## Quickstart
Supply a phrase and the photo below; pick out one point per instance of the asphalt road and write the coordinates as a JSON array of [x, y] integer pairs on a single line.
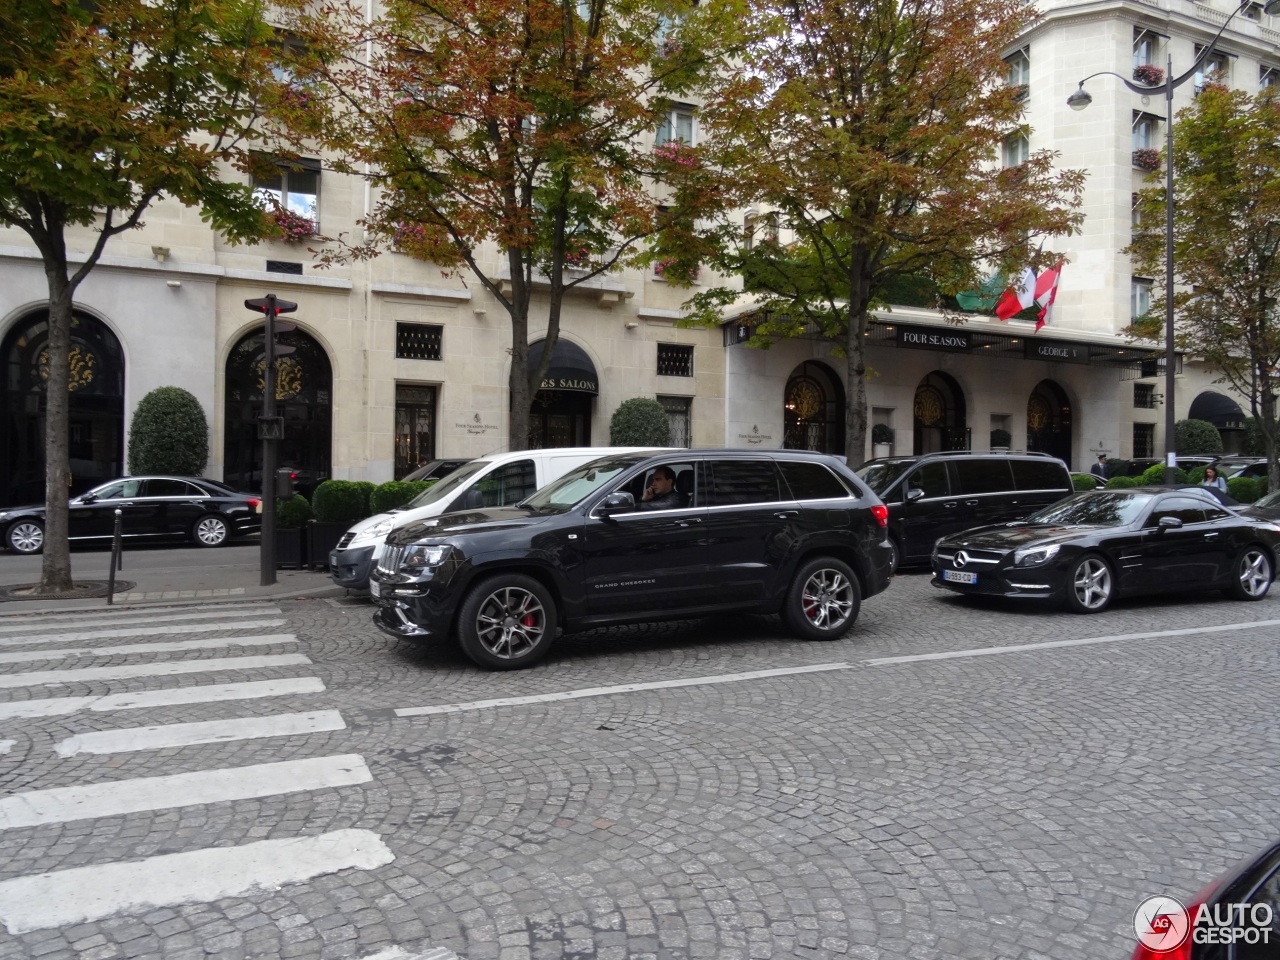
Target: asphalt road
[[950, 780]]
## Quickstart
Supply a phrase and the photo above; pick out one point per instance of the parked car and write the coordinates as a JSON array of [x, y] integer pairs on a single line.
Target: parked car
[[937, 494], [1240, 919], [151, 508], [493, 481], [1241, 466], [434, 470], [1100, 544], [1141, 465], [1264, 508], [754, 531]]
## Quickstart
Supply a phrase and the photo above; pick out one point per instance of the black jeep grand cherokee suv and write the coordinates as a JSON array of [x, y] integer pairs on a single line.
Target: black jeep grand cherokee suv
[[751, 531]]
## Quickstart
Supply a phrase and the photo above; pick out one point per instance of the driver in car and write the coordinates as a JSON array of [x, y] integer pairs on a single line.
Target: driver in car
[[661, 493]]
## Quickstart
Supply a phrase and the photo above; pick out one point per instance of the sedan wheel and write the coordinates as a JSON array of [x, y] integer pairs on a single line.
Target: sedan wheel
[[823, 601], [1090, 585], [210, 532], [1252, 574], [507, 622], [25, 536]]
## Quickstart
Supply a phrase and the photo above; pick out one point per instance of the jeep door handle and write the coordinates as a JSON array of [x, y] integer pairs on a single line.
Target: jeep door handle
[[787, 514]]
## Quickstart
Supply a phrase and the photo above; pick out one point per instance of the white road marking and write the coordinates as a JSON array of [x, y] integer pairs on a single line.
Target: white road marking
[[134, 616], [6, 745], [223, 730], [113, 798], [1080, 642], [124, 650], [45, 678], [140, 632], [174, 696], [399, 953], [610, 691], [104, 890]]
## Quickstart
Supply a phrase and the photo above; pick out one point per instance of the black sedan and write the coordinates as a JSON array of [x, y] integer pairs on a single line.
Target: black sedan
[[1087, 549], [151, 508]]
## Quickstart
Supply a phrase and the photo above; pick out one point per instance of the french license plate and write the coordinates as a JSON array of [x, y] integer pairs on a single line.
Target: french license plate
[[957, 576], [375, 588]]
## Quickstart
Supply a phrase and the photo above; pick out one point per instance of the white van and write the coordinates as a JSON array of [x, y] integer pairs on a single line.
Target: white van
[[493, 481]]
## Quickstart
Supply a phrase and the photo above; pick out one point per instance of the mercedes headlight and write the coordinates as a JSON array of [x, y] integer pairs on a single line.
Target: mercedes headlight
[[421, 556], [1034, 556]]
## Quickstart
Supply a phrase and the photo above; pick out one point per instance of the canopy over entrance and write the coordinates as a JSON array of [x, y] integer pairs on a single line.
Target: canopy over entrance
[[571, 369], [1219, 410]]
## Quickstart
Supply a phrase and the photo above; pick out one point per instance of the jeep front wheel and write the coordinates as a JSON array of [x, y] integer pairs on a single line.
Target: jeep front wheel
[[507, 622]]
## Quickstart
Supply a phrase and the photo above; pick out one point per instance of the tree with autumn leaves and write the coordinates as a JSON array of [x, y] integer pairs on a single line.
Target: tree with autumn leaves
[[104, 109], [1226, 246], [526, 129], [871, 132]]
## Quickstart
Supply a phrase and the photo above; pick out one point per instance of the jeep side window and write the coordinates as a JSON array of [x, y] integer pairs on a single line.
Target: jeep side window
[[931, 478], [744, 481]]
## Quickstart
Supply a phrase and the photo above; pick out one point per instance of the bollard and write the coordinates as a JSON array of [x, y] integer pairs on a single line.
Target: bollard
[[117, 560]]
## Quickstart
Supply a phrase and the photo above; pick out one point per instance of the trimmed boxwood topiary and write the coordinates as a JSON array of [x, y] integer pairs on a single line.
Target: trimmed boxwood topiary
[[366, 489], [340, 501], [640, 422], [1083, 481], [395, 493], [1245, 489], [293, 514], [169, 434], [1153, 476], [1001, 438], [1197, 436], [1122, 483], [881, 433]]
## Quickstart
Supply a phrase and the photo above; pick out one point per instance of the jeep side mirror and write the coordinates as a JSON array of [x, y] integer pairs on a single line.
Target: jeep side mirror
[[620, 502], [914, 493]]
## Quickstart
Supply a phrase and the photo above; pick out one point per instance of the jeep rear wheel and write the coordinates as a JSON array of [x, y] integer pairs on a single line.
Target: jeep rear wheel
[[507, 622], [823, 601]]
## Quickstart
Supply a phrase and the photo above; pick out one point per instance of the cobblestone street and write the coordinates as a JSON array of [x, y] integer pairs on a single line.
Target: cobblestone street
[[278, 779]]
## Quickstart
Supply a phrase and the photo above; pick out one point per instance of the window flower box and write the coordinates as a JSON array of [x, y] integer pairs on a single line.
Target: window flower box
[[1146, 158], [1148, 74], [295, 227], [676, 152]]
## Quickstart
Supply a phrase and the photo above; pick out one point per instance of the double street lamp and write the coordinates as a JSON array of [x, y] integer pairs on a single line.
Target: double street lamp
[[1081, 99]]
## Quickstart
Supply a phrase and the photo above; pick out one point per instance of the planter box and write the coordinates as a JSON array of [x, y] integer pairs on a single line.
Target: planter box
[[291, 549], [322, 537], [879, 450]]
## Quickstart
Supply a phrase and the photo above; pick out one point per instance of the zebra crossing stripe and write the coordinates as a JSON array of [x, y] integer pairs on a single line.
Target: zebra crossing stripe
[[141, 632], [222, 730], [104, 890], [45, 678], [178, 646], [116, 797], [174, 696], [65, 621]]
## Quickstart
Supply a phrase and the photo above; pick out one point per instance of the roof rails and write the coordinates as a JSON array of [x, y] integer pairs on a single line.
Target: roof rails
[[986, 453]]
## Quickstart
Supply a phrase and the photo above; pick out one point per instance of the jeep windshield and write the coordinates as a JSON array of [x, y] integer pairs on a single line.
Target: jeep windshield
[[879, 475], [450, 484], [576, 485]]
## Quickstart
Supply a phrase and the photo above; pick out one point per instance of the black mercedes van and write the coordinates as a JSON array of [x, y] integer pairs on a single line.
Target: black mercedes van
[[937, 494]]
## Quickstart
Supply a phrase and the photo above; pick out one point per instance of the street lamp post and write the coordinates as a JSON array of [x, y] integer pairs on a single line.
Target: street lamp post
[[1081, 99]]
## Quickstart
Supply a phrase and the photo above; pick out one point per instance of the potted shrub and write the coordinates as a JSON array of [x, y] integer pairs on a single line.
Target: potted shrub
[[881, 440], [337, 504], [1000, 439], [169, 434], [395, 493], [640, 422], [292, 517]]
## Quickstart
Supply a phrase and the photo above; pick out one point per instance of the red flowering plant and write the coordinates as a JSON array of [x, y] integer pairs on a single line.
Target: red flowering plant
[[577, 257], [676, 152], [1149, 74], [407, 235], [292, 225], [675, 270], [1146, 158]]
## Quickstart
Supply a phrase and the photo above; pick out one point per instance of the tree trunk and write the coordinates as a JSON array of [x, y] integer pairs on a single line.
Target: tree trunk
[[55, 571]]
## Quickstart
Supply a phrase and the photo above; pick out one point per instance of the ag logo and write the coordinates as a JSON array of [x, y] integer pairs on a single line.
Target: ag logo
[[1161, 924]]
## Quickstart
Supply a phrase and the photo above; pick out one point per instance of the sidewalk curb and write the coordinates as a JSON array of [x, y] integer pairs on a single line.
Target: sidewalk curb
[[137, 599]]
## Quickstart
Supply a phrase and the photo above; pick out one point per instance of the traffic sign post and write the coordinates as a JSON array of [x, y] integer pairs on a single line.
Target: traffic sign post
[[270, 426]]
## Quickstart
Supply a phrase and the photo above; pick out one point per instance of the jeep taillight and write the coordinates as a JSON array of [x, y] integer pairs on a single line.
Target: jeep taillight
[[881, 513]]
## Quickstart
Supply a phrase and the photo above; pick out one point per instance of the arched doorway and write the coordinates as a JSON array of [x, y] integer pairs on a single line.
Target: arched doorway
[[1225, 414], [813, 410], [561, 412], [1049, 421], [95, 434], [304, 398], [939, 415]]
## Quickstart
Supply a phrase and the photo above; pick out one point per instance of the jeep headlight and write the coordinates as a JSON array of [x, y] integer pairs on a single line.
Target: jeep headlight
[[420, 556], [1034, 556], [376, 532]]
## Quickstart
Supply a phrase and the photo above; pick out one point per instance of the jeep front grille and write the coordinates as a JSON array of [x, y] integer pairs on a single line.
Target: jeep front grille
[[390, 560]]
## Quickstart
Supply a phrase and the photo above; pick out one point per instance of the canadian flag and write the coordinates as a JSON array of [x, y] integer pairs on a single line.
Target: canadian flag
[[1018, 297], [1047, 292]]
